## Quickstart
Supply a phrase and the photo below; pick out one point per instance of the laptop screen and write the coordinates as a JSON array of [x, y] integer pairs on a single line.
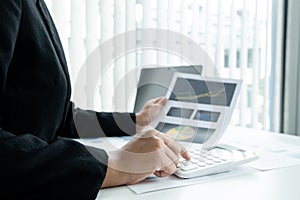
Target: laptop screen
[[154, 82]]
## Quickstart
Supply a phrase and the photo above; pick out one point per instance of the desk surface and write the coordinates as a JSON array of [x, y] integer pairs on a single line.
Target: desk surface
[[279, 184]]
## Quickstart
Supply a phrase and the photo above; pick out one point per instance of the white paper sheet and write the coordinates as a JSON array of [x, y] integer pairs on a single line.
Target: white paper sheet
[[155, 184], [272, 154], [269, 161]]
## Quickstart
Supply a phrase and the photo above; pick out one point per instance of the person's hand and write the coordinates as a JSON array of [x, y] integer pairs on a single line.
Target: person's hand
[[149, 152], [149, 112]]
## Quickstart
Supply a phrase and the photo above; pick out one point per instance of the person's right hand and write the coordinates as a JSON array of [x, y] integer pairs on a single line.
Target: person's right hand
[[149, 152]]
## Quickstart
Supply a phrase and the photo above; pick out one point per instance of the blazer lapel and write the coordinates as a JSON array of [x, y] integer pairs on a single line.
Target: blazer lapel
[[54, 35]]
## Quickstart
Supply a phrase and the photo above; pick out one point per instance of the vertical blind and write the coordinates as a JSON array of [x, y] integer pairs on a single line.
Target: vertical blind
[[236, 34], [291, 120]]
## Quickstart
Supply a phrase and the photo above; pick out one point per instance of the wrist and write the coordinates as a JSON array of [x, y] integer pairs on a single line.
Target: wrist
[[142, 120], [119, 172], [113, 176]]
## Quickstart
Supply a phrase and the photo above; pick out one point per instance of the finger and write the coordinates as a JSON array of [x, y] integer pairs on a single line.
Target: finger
[[162, 101], [166, 170], [177, 148], [172, 156], [161, 174], [185, 154], [156, 100], [169, 169], [171, 143]]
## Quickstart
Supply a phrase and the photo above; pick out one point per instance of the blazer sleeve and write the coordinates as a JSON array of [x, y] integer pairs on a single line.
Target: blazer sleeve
[[90, 124], [31, 168], [62, 169]]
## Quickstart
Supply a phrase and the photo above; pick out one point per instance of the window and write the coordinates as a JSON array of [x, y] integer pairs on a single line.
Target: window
[[236, 34]]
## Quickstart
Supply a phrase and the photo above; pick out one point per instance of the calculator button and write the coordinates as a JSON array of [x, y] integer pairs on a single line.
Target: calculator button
[[203, 151], [214, 155], [191, 150], [201, 164], [209, 162], [186, 163], [189, 167], [209, 157], [217, 160], [223, 159]]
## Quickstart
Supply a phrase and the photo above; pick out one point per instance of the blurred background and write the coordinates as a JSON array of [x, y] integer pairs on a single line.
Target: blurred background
[[256, 41]]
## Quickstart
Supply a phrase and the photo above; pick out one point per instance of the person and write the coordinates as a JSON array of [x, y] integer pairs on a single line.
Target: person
[[37, 120]]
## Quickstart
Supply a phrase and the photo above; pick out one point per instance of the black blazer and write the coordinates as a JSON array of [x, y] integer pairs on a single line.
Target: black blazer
[[37, 161]]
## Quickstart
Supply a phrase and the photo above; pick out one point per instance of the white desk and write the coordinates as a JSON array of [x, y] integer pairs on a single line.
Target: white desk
[[280, 184]]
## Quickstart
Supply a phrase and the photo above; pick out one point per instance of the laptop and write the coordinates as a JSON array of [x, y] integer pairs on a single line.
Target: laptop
[[154, 82]]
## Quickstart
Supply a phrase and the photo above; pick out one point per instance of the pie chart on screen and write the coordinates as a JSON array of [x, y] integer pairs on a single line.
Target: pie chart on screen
[[181, 133]]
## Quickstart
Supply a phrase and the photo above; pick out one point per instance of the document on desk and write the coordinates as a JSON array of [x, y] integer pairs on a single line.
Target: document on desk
[[272, 154], [269, 161], [155, 184]]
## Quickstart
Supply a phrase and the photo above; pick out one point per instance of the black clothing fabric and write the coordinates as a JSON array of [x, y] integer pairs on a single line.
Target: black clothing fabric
[[37, 160]]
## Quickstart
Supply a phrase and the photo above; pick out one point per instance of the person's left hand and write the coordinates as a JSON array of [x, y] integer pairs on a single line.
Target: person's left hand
[[149, 112]]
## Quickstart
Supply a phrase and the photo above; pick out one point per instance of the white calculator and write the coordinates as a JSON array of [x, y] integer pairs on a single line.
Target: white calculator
[[221, 158]]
